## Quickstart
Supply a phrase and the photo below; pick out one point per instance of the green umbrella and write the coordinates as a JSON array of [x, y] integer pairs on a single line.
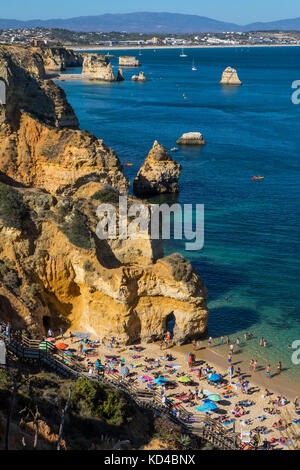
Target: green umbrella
[[184, 379], [214, 397]]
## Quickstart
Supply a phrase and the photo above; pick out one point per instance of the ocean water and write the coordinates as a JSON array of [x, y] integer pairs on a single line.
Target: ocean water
[[252, 228]]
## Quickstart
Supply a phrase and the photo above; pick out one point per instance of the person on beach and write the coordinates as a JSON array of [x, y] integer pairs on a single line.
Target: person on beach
[[254, 365], [71, 337], [209, 341], [245, 336], [279, 367], [238, 342], [261, 341], [228, 340], [229, 358], [268, 371], [238, 372], [296, 403], [194, 343], [251, 364], [222, 339], [265, 343], [231, 347]]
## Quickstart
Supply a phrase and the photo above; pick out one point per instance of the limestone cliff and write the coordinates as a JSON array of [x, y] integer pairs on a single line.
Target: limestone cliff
[[40, 142], [54, 270], [230, 77], [159, 174], [57, 59], [98, 67]]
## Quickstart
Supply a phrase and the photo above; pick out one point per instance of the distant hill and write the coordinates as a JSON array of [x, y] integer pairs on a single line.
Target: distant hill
[[146, 22]]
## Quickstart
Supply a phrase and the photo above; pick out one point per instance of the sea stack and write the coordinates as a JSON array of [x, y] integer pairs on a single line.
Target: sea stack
[[191, 138], [98, 67], [128, 61], [159, 174], [230, 77], [139, 78]]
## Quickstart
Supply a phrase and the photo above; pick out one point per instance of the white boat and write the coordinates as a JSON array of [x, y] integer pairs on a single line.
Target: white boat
[[174, 149], [182, 53], [194, 68]]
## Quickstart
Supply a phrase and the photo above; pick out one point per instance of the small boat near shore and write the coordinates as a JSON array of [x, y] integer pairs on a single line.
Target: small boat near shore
[[174, 149], [258, 178], [182, 53]]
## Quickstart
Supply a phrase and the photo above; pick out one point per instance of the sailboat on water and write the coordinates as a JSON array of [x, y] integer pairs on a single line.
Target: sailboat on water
[[194, 68], [182, 53]]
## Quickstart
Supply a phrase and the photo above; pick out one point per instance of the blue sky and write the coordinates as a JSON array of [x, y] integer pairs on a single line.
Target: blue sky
[[238, 11]]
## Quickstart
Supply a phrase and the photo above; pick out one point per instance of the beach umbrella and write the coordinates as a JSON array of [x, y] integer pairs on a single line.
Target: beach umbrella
[[214, 378], [184, 379], [160, 381], [61, 346], [214, 397], [207, 407]]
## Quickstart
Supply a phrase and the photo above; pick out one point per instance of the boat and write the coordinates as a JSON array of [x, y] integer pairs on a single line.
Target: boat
[[194, 68], [182, 53], [128, 164], [258, 177], [174, 149]]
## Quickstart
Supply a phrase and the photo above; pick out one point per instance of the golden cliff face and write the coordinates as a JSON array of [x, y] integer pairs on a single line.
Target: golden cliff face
[[54, 270]]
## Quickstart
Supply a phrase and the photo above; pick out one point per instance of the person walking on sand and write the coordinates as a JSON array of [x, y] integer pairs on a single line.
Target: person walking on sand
[[251, 364], [279, 367], [209, 341], [231, 348], [268, 371], [228, 340], [254, 365], [238, 342], [229, 358]]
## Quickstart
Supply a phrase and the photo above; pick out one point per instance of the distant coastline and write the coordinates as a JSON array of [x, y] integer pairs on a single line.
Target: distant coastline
[[125, 48]]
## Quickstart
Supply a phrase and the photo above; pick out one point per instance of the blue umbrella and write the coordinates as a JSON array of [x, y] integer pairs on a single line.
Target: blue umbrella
[[160, 380], [214, 378], [207, 406]]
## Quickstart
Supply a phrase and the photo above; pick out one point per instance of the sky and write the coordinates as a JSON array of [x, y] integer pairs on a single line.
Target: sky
[[236, 11]]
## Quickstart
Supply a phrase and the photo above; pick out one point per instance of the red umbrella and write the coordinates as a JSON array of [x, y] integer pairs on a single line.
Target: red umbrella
[[61, 346]]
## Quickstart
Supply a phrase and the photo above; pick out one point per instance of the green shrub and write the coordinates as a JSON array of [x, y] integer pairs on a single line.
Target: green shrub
[[76, 231], [13, 211], [105, 195], [100, 401]]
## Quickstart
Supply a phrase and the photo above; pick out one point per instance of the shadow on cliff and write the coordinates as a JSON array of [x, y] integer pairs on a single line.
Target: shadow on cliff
[[9, 313]]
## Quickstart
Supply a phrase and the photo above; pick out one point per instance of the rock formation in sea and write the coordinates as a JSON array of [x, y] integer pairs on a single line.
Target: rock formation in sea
[[159, 174], [98, 67], [128, 61], [57, 59], [230, 77], [54, 270], [139, 78], [191, 138]]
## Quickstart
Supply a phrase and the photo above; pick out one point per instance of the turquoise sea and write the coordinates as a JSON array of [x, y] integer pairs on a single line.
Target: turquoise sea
[[252, 228]]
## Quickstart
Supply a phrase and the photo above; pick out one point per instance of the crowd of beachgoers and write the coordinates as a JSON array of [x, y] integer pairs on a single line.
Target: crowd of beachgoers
[[186, 383]]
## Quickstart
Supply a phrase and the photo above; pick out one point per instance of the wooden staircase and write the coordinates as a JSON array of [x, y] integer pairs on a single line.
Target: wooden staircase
[[206, 428]]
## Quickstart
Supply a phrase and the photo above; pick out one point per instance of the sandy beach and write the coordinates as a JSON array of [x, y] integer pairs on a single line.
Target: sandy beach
[[216, 359], [117, 48]]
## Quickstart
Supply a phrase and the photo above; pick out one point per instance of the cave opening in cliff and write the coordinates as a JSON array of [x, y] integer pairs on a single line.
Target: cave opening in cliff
[[46, 323], [170, 323]]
